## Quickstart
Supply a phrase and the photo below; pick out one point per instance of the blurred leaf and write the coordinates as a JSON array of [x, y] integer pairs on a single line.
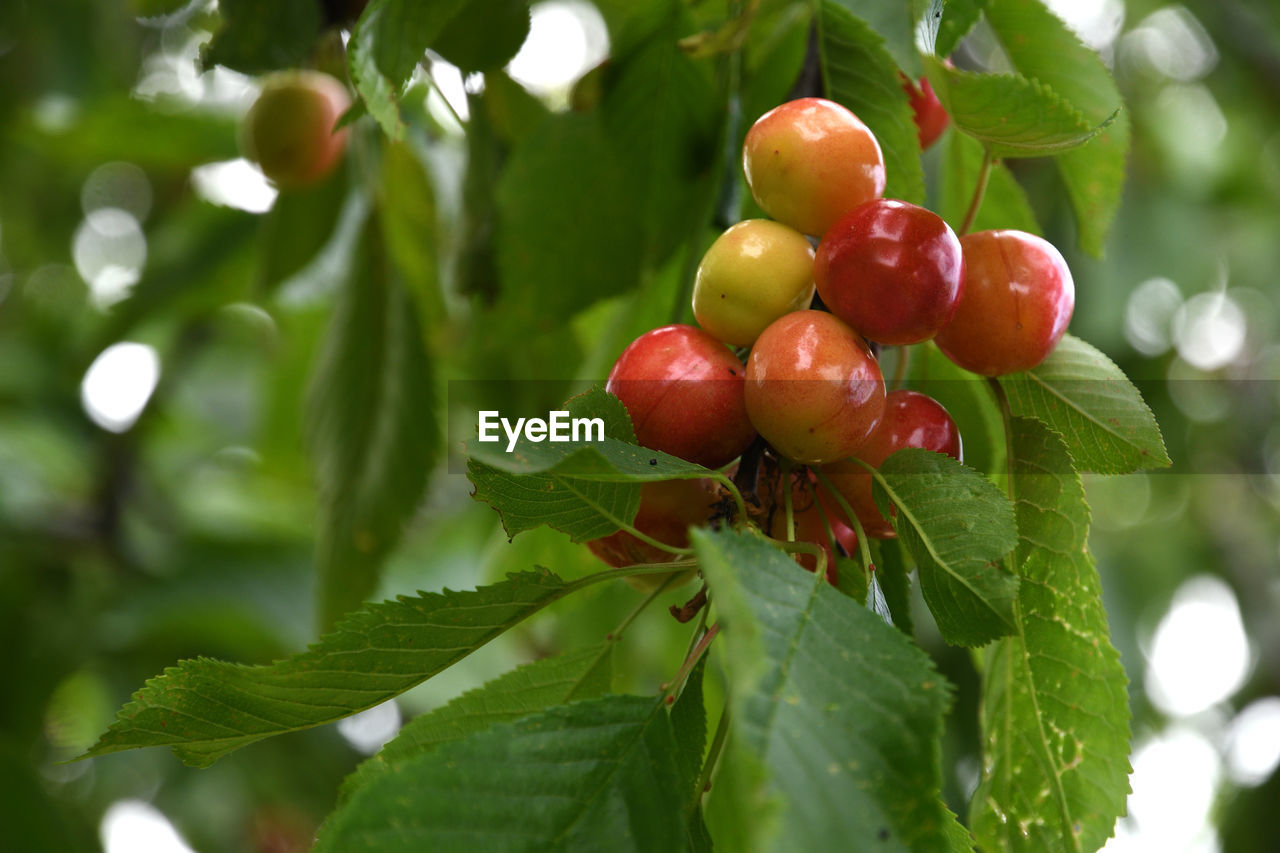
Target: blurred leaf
[[560, 198], [957, 526], [892, 20], [958, 17], [581, 674], [1087, 400], [843, 710], [1004, 205], [1043, 48], [591, 775], [1011, 115], [373, 427], [257, 37], [513, 111], [378, 93], [484, 34], [206, 708], [772, 58], [1055, 714], [400, 31], [407, 206], [33, 818], [858, 72], [294, 231]]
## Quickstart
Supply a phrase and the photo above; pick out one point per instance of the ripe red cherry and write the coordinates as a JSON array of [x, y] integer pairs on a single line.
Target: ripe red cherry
[[931, 119], [684, 392], [289, 130], [891, 270], [668, 509], [814, 390], [911, 419], [810, 525], [1017, 302], [810, 161]]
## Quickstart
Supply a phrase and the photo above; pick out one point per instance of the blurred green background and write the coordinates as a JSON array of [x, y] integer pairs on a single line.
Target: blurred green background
[[161, 308]]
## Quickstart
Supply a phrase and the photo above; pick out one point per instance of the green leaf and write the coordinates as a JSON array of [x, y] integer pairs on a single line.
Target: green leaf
[[859, 72], [844, 712], [567, 158], [958, 17], [1082, 395], [957, 526], [298, 226], [373, 427], [257, 37], [772, 58], [484, 34], [689, 725], [407, 206], [1042, 47], [400, 32], [1055, 714], [593, 775], [1004, 204], [1011, 115], [891, 19], [379, 94], [969, 403], [582, 674], [205, 708], [893, 576]]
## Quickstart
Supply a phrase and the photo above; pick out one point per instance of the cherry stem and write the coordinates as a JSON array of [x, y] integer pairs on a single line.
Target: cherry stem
[[736, 493], [713, 757], [789, 509], [426, 70], [628, 571], [616, 634], [819, 555], [979, 191], [864, 550], [690, 608], [649, 540], [691, 660], [900, 369]]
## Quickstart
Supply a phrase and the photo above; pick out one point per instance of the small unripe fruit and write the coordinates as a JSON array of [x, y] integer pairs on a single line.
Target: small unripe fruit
[[1017, 302], [668, 508], [753, 273], [814, 390], [684, 392], [810, 161], [289, 130], [893, 271], [911, 419]]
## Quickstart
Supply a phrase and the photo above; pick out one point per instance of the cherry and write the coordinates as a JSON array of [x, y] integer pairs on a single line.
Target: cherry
[[753, 273], [668, 508], [931, 119], [891, 270], [811, 524], [684, 392], [911, 419], [810, 161], [289, 130], [1017, 302], [813, 390]]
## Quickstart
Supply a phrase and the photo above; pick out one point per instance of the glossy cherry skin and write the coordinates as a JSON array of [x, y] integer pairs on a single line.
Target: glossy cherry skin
[[684, 391], [668, 508], [911, 419], [810, 525], [810, 161], [931, 119], [289, 130], [814, 390], [753, 273], [891, 270], [1017, 302]]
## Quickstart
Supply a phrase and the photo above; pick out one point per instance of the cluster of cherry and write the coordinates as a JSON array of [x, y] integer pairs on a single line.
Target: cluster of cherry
[[884, 271]]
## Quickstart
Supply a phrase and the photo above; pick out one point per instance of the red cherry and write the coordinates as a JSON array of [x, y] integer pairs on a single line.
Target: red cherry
[[684, 392], [668, 508], [289, 130], [911, 419], [814, 390], [811, 160], [891, 270], [931, 119], [1017, 302]]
